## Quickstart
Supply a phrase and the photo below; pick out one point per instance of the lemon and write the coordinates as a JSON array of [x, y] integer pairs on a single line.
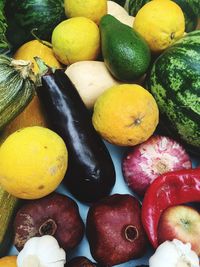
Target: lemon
[[161, 23], [92, 9], [125, 115], [35, 48], [33, 162], [76, 39], [8, 261]]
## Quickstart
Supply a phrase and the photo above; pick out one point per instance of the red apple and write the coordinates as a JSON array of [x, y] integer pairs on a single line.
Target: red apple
[[114, 230], [180, 222]]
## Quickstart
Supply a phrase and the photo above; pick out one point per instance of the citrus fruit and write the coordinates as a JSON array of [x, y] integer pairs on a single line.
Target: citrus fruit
[[33, 162], [161, 23], [92, 9], [8, 261], [125, 115], [76, 39], [35, 48]]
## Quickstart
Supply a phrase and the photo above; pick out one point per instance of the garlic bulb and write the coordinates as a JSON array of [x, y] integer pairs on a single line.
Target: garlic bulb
[[174, 254], [41, 251]]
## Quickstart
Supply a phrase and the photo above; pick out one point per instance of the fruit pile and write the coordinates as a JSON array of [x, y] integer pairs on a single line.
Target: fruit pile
[[100, 133]]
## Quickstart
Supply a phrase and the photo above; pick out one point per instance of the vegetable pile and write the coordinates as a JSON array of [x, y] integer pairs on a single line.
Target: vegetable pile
[[100, 130]]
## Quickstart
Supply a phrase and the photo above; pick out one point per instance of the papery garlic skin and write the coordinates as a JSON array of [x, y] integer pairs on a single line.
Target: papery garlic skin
[[174, 254], [41, 251]]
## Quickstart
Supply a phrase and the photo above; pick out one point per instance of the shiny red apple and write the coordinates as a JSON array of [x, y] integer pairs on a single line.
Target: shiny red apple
[[180, 222]]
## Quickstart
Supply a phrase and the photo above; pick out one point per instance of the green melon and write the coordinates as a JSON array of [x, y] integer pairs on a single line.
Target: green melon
[[174, 81], [195, 4], [24, 16], [191, 18], [133, 6]]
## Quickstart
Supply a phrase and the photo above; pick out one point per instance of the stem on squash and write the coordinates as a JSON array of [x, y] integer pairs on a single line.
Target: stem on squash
[[39, 40], [25, 68]]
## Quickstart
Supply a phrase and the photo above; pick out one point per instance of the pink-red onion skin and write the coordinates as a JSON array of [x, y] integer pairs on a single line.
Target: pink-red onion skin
[[145, 162]]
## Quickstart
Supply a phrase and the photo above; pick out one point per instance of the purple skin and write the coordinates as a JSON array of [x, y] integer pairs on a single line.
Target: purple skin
[[114, 230], [145, 162], [55, 215]]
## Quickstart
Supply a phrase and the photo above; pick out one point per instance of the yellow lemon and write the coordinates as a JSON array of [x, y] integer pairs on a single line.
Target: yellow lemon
[[33, 162], [76, 39], [8, 261], [161, 23], [125, 115], [35, 48], [92, 9]]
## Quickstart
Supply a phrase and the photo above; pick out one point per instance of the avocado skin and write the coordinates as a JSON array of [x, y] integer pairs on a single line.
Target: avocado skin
[[125, 52]]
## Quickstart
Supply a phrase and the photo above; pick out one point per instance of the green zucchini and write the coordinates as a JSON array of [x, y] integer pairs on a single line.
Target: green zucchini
[[8, 206], [17, 88], [4, 46]]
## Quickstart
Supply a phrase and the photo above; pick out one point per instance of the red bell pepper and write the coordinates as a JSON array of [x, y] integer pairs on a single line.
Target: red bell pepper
[[170, 189]]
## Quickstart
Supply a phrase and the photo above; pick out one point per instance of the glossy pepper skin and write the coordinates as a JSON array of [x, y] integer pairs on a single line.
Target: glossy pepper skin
[[90, 174], [167, 190]]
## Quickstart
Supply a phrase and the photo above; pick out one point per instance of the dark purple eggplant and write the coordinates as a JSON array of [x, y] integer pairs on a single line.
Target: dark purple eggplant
[[90, 175]]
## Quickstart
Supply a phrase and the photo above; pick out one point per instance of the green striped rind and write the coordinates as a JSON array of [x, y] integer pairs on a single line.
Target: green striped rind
[[4, 46], [195, 4], [133, 6], [16, 91], [24, 16], [120, 2], [8, 207], [191, 18], [174, 81]]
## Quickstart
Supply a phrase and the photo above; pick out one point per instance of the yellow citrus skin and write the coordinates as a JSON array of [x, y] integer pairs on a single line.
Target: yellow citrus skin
[[34, 48], [8, 261], [161, 23], [33, 162], [91, 9], [76, 39], [125, 115]]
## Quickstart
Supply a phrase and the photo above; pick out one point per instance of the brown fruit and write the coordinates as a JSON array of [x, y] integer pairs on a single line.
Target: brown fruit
[[114, 230], [55, 215]]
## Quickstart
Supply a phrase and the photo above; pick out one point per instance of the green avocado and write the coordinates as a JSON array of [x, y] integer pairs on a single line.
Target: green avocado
[[125, 52]]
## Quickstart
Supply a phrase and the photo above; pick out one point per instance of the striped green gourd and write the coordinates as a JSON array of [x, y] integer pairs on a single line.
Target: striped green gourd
[[8, 207], [4, 46], [174, 81], [17, 87]]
